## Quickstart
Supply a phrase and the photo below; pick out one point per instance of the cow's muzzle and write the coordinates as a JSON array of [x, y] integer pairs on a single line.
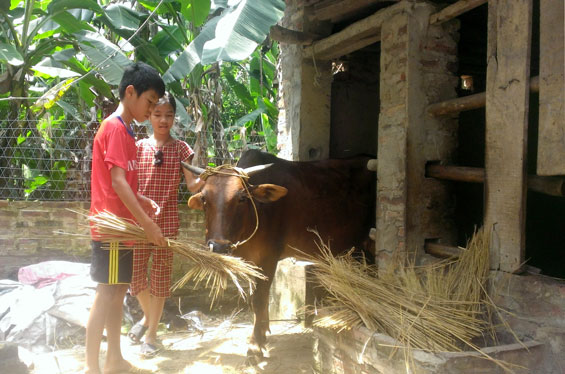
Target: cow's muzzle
[[221, 247]]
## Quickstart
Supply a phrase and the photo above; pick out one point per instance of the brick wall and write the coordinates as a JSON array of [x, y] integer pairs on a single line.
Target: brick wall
[[26, 233]]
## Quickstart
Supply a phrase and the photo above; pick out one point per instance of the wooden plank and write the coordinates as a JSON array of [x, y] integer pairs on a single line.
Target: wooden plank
[[551, 139], [455, 10], [284, 35], [508, 73], [339, 10], [356, 36]]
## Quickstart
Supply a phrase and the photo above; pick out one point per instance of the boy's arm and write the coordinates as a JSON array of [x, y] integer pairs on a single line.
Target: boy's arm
[[129, 198], [193, 183]]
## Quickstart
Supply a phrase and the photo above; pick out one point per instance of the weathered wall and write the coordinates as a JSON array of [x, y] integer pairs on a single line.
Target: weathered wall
[[418, 62], [304, 117], [26, 233]]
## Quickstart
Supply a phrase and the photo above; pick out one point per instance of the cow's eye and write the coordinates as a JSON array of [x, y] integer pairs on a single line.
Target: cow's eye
[[243, 196]]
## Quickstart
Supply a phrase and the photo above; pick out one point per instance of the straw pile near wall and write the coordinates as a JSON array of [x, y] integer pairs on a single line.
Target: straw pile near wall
[[439, 307]]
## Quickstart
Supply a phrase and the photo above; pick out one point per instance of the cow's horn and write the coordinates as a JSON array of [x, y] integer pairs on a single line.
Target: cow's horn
[[254, 169], [193, 169]]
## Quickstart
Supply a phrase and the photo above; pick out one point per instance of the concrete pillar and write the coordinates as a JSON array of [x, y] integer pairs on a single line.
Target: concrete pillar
[[417, 65], [304, 118]]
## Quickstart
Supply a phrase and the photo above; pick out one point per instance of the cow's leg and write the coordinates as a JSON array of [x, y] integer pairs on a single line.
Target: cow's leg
[[260, 305]]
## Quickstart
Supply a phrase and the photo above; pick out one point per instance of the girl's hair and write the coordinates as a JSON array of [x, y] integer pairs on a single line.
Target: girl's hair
[[168, 98]]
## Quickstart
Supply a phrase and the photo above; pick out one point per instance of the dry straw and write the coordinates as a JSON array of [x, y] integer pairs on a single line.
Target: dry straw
[[211, 269], [435, 308]]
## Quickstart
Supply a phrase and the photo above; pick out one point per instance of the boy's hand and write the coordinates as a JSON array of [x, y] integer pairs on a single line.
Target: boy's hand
[[149, 206], [154, 234]]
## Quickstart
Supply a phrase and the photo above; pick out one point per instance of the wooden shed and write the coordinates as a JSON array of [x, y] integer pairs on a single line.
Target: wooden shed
[[462, 105]]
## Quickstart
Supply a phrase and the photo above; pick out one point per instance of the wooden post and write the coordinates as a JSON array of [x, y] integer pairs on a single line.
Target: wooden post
[[508, 77], [551, 140]]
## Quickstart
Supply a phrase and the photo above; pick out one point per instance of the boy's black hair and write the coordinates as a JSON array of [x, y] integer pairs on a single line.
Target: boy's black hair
[[168, 98], [143, 78]]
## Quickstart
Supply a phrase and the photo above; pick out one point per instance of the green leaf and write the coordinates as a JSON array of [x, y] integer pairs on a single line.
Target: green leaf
[[108, 60], [122, 18], [53, 72], [61, 5], [10, 54], [55, 93], [241, 29], [70, 24], [168, 40], [250, 117], [240, 91], [232, 36], [150, 54], [69, 109], [195, 11], [190, 57]]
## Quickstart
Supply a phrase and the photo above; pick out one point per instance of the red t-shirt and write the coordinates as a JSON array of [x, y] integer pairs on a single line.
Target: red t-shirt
[[114, 146], [161, 182]]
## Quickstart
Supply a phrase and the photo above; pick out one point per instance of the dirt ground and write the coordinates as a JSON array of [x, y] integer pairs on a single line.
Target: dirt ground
[[217, 345]]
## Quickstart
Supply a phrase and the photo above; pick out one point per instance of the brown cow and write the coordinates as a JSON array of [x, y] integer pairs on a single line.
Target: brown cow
[[334, 197]]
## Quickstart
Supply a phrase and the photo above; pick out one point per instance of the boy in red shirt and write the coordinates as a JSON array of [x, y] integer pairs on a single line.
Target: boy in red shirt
[[114, 188]]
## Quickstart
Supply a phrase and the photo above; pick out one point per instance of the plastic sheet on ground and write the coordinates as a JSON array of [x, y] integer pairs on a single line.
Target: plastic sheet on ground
[[48, 307]]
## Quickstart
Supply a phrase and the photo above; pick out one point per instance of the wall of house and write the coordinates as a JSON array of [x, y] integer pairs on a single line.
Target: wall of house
[[27, 233], [305, 84]]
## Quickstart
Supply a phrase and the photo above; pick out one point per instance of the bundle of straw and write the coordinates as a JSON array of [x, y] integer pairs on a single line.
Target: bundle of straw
[[212, 269], [438, 307]]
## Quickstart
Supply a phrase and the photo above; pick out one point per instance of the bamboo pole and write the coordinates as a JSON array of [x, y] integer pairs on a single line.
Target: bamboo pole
[[455, 10], [470, 102], [554, 186], [442, 250]]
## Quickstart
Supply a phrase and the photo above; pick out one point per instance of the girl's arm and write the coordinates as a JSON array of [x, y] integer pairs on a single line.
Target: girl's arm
[[129, 198]]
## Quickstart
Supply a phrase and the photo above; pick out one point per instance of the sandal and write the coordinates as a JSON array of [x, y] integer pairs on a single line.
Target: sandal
[[149, 350], [136, 332]]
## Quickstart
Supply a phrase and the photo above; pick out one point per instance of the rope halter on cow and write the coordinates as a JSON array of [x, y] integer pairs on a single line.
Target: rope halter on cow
[[230, 170]]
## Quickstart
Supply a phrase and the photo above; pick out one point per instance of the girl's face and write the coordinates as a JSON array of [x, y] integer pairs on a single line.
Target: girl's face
[[162, 119]]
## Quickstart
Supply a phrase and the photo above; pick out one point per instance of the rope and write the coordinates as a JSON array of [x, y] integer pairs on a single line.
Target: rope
[[230, 170], [317, 74]]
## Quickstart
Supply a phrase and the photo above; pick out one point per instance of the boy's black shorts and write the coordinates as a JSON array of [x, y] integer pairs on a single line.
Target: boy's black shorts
[[111, 264]]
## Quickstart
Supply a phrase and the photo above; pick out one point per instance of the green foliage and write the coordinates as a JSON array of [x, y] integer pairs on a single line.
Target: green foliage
[[60, 58]]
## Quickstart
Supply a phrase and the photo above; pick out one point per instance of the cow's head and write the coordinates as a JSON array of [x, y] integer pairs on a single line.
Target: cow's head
[[229, 203]]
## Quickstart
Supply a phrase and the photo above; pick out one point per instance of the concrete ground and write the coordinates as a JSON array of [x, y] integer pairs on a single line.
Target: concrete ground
[[219, 347]]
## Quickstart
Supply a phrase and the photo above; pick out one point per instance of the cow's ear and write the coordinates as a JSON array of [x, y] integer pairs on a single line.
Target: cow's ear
[[195, 202], [267, 193]]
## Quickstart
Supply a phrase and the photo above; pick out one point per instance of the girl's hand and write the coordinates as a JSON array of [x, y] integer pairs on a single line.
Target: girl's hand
[[149, 206]]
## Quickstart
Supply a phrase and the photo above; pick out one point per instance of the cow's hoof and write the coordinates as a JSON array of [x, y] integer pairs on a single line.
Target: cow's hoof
[[254, 354]]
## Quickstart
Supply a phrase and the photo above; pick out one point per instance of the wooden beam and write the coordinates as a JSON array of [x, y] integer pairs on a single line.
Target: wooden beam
[[456, 173], [367, 31], [457, 105], [469, 102], [507, 94], [288, 36], [339, 10], [551, 133], [354, 37], [554, 186], [442, 250], [455, 10]]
